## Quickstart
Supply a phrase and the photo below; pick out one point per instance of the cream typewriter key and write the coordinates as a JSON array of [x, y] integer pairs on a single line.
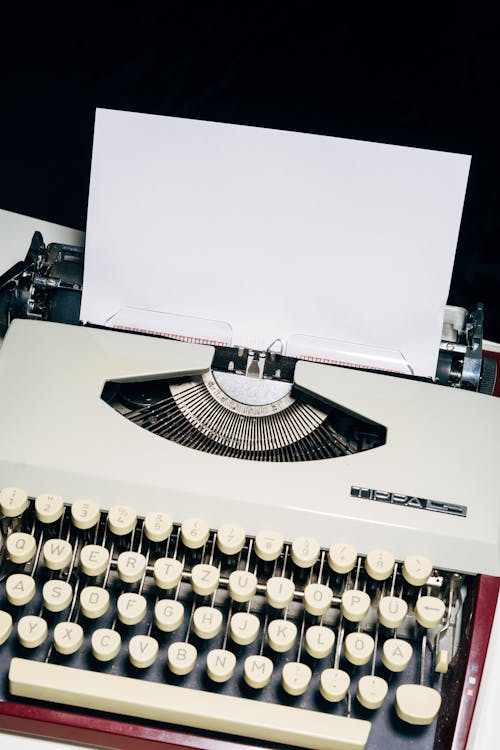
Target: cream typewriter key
[[68, 637], [57, 553], [5, 626], [220, 665], [334, 684], [94, 602], [122, 519], [279, 592], [13, 501], [32, 631], [230, 539], [195, 532], [429, 611], [242, 585], [281, 635], [94, 559], [20, 589], [85, 514], [142, 651], [379, 564], [442, 661], [417, 704], [342, 558], [167, 572], [296, 678], [319, 641], [49, 508], [257, 671], [204, 579], [131, 608], [169, 615], [21, 547], [305, 551], [57, 595], [396, 654], [157, 526], [207, 622], [131, 566], [417, 569], [268, 545], [354, 605], [106, 644], [181, 657], [358, 648], [244, 628], [372, 691], [317, 598], [392, 611]]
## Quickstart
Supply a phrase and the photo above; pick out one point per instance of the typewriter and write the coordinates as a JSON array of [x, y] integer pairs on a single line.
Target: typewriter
[[212, 546], [196, 557]]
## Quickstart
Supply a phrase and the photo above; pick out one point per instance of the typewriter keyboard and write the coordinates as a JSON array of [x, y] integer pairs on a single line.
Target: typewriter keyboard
[[256, 637]]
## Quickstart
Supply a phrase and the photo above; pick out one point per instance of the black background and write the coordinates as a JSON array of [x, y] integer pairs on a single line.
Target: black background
[[425, 77]]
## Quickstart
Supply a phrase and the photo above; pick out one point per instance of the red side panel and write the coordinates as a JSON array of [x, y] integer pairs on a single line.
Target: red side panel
[[484, 614]]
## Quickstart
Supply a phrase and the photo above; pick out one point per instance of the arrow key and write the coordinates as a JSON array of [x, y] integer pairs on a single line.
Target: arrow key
[[429, 611]]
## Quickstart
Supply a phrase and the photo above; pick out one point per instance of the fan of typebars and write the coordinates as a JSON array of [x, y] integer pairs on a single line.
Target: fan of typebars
[[199, 414]]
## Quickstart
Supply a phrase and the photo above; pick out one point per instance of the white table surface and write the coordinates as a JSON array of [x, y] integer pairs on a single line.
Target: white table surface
[[15, 237]]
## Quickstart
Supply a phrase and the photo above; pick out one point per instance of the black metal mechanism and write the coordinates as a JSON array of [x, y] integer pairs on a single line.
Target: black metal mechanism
[[461, 363], [46, 285]]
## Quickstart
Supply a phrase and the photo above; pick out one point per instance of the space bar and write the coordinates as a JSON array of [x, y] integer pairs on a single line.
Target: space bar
[[185, 706]]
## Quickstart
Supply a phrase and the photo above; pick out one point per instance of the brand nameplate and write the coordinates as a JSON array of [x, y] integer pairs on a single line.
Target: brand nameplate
[[408, 501]]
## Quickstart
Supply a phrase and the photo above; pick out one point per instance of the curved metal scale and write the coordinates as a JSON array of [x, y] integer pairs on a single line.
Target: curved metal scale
[[198, 414]]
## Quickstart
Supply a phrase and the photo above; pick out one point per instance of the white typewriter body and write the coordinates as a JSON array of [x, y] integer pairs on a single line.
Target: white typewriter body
[[58, 435]]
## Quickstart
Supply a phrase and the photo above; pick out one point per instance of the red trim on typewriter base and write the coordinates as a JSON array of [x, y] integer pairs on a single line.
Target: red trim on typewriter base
[[482, 623], [108, 733]]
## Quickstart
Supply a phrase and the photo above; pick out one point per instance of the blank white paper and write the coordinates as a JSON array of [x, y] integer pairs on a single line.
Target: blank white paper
[[276, 234]]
